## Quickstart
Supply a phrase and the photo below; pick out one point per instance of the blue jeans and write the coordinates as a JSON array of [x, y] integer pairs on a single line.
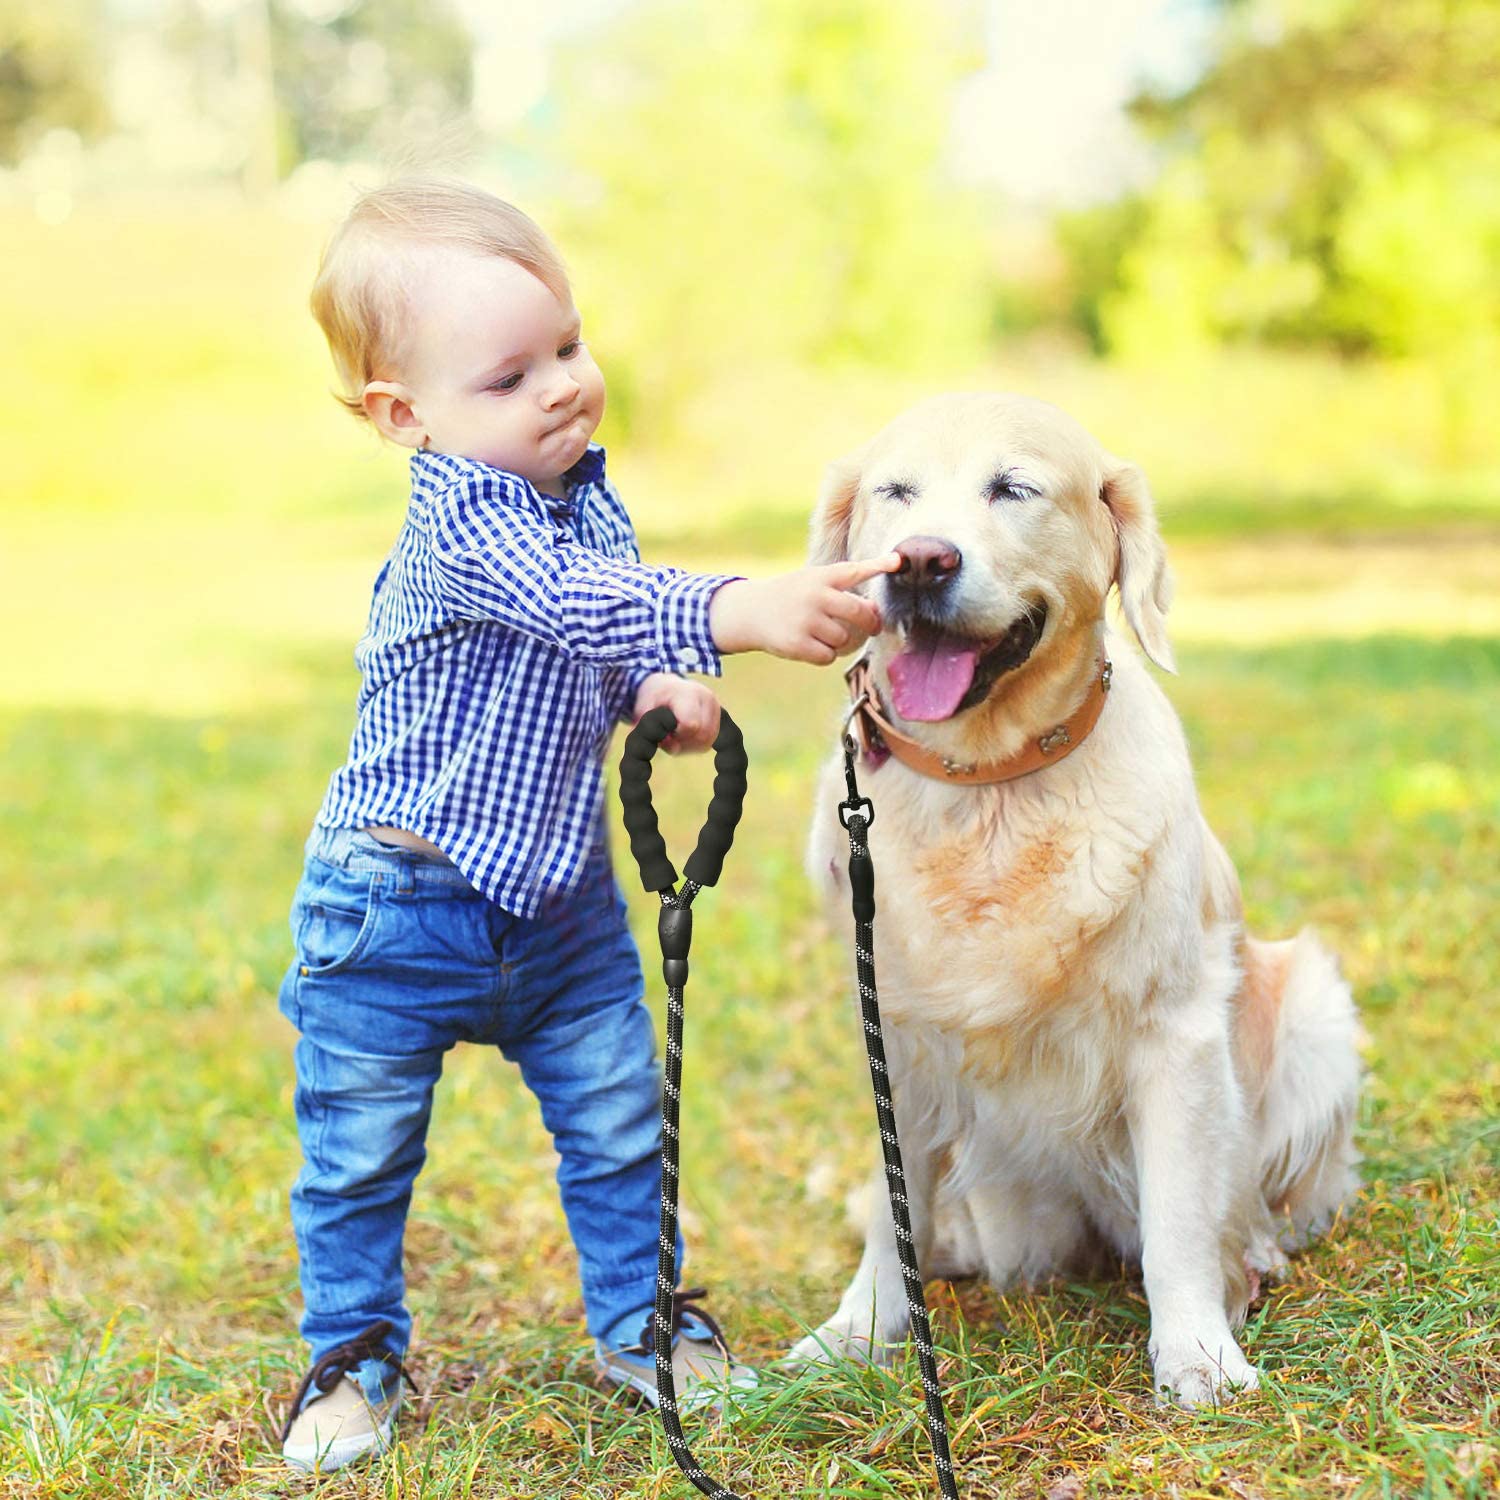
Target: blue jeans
[[398, 958]]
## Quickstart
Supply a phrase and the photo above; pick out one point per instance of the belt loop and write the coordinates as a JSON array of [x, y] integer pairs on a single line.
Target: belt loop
[[406, 875]]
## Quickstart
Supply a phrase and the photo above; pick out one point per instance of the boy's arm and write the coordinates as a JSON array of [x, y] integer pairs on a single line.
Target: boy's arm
[[494, 560]]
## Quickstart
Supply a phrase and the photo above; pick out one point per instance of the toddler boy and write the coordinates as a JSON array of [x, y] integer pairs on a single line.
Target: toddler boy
[[458, 884]]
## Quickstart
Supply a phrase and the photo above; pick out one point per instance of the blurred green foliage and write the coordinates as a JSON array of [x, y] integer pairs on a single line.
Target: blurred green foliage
[[352, 82], [1331, 179], [757, 191], [332, 80], [51, 66], [759, 181]]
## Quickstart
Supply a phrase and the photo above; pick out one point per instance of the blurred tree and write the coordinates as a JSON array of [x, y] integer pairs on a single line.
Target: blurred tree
[[1092, 241], [760, 181], [51, 71], [332, 79], [358, 77], [1332, 178]]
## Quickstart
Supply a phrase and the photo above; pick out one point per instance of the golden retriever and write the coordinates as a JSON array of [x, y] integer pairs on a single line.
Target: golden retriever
[[1089, 1053]]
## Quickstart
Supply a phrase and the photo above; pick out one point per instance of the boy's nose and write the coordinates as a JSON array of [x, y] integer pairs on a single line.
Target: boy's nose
[[561, 390]]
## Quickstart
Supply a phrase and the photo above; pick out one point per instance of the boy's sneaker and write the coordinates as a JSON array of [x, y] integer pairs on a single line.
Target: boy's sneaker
[[334, 1418], [704, 1371]]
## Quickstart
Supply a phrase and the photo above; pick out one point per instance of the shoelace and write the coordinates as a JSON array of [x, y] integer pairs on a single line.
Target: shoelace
[[684, 1303], [333, 1366]]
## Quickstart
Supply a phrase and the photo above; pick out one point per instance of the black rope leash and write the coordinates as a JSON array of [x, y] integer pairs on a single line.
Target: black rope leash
[[675, 931], [674, 928], [857, 814]]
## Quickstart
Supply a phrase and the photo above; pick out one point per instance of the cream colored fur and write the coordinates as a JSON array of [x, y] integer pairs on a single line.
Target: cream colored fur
[[1091, 1059]]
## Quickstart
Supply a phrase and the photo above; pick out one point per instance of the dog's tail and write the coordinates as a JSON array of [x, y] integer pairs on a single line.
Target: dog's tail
[[1311, 1095]]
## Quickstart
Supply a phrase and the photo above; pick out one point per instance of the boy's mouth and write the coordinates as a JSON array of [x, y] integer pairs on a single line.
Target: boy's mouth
[[564, 424]]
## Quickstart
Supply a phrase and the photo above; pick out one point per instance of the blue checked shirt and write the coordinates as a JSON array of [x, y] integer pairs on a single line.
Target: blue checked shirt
[[509, 632]]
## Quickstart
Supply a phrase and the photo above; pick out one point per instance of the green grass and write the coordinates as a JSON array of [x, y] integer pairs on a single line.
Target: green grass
[[147, 1331]]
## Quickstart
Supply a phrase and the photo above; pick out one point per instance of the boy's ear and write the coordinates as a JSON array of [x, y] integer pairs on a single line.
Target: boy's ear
[[1141, 571], [829, 538], [387, 403]]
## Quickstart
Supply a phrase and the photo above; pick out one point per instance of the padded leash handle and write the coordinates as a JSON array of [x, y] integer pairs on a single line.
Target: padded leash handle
[[724, 809]]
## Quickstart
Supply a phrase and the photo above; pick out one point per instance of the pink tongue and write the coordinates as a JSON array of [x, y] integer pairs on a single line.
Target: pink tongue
[[931, 676]]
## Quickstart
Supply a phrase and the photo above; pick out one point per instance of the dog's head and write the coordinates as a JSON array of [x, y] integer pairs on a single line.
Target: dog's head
[[1013, 523]]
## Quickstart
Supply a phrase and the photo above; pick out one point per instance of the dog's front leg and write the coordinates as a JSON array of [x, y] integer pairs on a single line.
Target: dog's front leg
[[872, 1316], [1185, 1117]]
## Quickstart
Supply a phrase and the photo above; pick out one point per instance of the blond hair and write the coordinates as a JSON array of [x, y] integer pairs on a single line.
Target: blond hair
[[359, 296]]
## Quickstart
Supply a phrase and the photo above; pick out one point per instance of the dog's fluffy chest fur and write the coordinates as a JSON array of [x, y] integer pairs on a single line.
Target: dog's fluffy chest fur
[[1048, 887]]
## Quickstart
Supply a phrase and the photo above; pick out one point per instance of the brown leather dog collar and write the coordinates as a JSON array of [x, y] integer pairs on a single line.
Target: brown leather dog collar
[[880, 738]]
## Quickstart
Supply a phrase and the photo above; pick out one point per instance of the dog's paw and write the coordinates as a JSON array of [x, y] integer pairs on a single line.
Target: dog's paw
[[1191, 1374], [1265, 1259], [830, 1344]]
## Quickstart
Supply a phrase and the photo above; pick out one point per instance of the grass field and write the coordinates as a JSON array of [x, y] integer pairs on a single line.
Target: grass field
[[177, 690]]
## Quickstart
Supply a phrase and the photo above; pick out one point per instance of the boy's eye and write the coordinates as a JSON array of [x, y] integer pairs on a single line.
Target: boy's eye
[[508, 384], [569, 349]]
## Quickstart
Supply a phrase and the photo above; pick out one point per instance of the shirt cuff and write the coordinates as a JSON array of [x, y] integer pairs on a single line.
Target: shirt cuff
[[682, 634], [634, 677]]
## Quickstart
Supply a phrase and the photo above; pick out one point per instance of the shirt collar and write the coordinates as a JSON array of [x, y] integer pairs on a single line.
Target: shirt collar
[[588, 470]]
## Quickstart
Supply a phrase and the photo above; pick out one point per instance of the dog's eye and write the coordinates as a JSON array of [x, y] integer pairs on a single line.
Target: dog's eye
[[897, 489], [1006, 486]]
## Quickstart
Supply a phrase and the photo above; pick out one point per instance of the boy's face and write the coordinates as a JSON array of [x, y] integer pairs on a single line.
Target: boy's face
[[493, 368]]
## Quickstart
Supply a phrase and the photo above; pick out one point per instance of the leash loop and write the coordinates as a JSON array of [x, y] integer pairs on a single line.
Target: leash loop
[[728, 802]]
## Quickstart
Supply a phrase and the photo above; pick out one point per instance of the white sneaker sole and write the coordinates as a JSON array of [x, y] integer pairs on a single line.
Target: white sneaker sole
[[616, 1376], [337, 1452]]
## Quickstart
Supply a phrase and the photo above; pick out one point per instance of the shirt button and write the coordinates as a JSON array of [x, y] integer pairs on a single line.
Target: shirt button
[[688, 656]]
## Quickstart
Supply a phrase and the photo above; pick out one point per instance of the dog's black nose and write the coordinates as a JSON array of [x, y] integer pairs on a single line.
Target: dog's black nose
[[926, 562]]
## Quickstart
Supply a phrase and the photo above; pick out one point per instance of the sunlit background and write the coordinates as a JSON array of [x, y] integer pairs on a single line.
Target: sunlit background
[[1253, 245]]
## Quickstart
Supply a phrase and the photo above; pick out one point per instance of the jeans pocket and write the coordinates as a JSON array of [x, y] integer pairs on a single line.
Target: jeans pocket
[[335, 926]]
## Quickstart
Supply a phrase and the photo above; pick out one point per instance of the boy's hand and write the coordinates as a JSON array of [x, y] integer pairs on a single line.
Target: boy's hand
[[809, 615], [696, 708]]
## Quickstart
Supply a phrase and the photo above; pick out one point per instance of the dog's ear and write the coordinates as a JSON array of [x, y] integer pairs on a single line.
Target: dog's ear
[[828, 541], [1141, 571]]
